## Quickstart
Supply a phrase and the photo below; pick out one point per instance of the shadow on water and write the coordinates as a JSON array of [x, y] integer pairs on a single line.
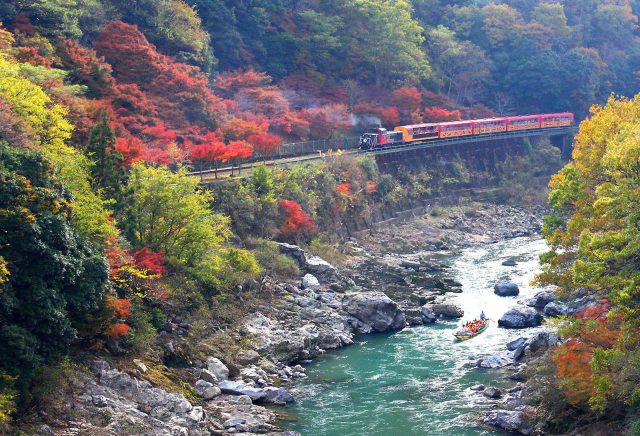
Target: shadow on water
[[417, 381]]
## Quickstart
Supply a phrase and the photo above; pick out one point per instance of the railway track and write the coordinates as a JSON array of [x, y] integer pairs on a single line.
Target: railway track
[[244, 169]]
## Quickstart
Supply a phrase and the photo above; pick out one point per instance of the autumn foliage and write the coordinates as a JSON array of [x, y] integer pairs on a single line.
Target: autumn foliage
[[297, 223]]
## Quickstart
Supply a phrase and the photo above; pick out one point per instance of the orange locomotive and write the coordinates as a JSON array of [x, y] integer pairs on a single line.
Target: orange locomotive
[[380, 137]]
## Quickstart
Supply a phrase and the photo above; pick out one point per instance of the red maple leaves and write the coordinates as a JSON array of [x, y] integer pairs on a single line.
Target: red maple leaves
[[297, 223]]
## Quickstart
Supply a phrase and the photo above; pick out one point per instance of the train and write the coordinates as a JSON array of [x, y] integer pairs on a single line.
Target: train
[[401, 135]]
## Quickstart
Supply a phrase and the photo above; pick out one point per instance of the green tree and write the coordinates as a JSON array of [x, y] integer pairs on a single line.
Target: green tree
[[55, 276], [390, 41], [50, 130], [167, 211], [108, 172], [52, 17]]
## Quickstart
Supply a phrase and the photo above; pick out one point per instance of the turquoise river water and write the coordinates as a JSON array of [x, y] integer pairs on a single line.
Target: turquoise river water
[[416, 381]]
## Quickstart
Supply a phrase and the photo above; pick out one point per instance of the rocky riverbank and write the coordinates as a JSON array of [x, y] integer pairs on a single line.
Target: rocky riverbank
[[389, 282]]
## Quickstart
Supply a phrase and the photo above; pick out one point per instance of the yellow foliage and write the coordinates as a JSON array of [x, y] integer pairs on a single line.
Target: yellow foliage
[[51, 131]]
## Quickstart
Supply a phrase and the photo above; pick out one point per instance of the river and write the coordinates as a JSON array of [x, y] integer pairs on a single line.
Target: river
[[417, 381]]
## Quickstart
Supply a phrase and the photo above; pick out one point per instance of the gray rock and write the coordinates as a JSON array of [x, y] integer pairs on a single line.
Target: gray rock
[[511, 346], [541, 299], [308, 262], [410, 264], [208, 376], [518, 353], [140, 365], [309, 281], [505, 419], [374, 309], [99, 401], [478, 388], [509, 262], [506, 289], [233, 422], [207, 390], [45, 430], [446, 310], [278, 396], [428, 317], [247, 357], [520, 318], [492, 393], [211, 392], [497, 361], [239, 388], [217, 368], [537, 342], [556, 308]]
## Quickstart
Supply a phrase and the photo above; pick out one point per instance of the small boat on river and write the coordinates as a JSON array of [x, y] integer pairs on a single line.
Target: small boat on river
[[472, 329]]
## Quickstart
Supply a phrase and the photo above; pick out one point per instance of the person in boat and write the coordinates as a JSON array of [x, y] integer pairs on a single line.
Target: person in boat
[[482, 316]]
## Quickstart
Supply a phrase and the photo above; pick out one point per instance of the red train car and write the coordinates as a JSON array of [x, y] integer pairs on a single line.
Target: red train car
[[490, 125], [556, 120], [525, 122], [456, 128]]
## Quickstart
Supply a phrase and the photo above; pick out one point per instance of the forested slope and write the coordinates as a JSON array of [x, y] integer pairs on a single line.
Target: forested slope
[[104, 106]]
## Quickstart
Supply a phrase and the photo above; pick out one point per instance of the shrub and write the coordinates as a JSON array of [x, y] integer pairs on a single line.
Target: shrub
[[271, 260]]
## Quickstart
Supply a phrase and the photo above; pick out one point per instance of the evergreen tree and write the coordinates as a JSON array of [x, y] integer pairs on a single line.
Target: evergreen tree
[[107, 169]]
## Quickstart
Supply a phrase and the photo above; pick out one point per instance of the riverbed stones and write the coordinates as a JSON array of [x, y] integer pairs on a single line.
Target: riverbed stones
[[309, 281], [555, 308], [541, 299], [516, 343], [520, 319], [499, 360], [509, 262], [308, 262], [208, 376], [217, 368], [493, 393], [374, 309], [239, 388], [445, 310], [512, 420], [506, 289], [277, 396]]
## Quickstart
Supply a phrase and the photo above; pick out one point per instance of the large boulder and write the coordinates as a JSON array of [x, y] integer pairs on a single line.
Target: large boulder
[[506, 419], [309, 281], [217, 368], [308, 262], [520, 319], [509, 262], [374, 309], [278, 396], [239, 388], [506, 289], [515, 344], [496, 361], [428, 317], [555, 308], [420, 315], [541, 299], [446, 310]]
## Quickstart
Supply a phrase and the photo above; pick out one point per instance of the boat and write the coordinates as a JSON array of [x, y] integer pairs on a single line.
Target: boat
[[464, 334]]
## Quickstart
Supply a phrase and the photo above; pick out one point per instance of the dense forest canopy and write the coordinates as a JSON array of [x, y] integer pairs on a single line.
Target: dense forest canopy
[[106, 104]]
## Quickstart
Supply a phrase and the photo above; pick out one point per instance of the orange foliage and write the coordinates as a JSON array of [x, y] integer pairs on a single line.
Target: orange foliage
[[297, 222], [371, 187], [116, 331], [265, 143], [573, 360], [149, 261], [436, 115]]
